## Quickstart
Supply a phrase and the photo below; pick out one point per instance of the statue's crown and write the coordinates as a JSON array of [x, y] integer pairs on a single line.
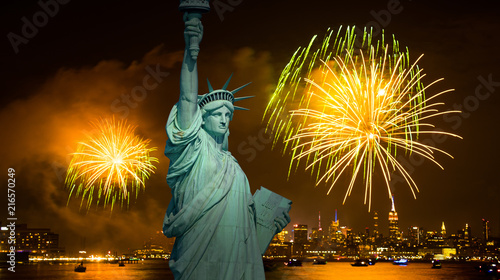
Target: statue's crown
[[222, 94]]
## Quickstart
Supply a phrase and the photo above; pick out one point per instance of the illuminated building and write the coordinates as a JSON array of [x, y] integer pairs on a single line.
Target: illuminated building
[[280, 237], [467, 233], [317, 234], [486, 231], [465, 242], [337, 234], [434, 240], [299, 239], [347, 234], [334, 227], [443, 230], [279, 248], [299, 234], [151, 251], [319, 220], [393, 223], [464, 237], [4, 235], [375, 224], [35, 241], [157, 246], [414, 236]]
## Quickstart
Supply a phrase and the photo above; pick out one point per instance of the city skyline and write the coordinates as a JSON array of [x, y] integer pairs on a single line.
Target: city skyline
[[56, 248], [386, 231], [87, 60]]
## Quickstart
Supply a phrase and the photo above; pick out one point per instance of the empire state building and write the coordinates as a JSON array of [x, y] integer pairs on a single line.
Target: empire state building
[[393, 223]]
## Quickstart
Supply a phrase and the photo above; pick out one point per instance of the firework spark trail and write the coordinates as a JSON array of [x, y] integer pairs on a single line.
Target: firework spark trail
[[114, 161], [341, 108]]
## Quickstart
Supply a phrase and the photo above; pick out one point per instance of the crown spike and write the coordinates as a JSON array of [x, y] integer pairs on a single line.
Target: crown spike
[[242, 98], [240, 88], [210, 88], [227, 82], [240, 108]]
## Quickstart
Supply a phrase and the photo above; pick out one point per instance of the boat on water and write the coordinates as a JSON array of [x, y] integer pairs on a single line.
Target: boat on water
[[400, 262], [80, 268], [294, 262], [436, 264], [492, 268], [319, 261], [270, 265], [121, 264], [360, 262]]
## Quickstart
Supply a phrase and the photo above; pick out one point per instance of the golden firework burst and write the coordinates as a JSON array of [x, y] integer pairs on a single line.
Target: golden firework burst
[[352, 104], [110, 164]]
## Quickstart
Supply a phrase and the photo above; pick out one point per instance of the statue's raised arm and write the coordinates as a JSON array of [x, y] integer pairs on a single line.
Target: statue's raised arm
[[188, 98]]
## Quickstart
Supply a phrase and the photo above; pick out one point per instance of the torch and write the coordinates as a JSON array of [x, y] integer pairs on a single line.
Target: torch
[[194, 9]]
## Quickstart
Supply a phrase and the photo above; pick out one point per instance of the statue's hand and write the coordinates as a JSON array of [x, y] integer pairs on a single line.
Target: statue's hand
[[193, 29], [282, 222]]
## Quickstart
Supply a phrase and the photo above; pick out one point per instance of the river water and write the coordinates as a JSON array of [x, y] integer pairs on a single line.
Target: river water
[[156, 270]]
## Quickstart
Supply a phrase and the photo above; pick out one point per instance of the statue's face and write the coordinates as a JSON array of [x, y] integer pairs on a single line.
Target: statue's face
[[216, 123]]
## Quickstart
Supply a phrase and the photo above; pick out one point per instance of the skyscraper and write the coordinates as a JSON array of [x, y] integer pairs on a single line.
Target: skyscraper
[[335, 231], [321, 234], [299, 234], [317, 234], [319, 220], [393, 222], [486, 230], [467, 234], [375, 224], [443, 230], [414, 236], [299, 239]]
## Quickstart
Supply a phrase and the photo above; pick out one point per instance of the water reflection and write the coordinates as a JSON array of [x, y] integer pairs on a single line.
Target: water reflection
[[380, 271], [156, 270]]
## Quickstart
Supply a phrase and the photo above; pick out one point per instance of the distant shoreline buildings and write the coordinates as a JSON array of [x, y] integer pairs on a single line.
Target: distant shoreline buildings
[[335, 241]]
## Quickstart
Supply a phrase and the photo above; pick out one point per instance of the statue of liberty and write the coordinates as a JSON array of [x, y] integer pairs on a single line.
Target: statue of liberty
[[212, 212]]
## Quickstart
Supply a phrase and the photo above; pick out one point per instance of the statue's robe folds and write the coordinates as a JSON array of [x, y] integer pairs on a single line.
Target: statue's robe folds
[[211, 213]]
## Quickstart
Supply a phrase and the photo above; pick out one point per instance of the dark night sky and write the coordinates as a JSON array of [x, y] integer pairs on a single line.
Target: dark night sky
[[89, 53]]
